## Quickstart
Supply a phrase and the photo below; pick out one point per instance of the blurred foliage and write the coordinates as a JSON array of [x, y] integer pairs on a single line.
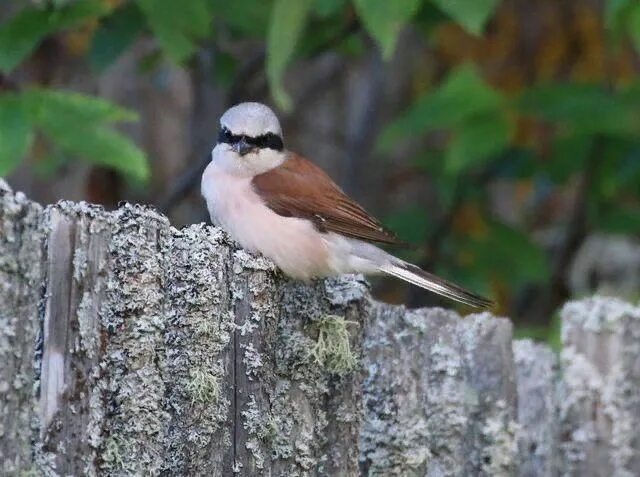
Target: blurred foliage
[[288, 18], [572, 116]]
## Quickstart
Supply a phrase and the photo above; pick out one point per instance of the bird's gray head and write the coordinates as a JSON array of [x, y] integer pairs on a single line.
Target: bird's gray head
[[250, 140], [250, 126]]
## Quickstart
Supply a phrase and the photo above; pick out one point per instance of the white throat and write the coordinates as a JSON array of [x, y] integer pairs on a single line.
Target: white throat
[[249, 165]]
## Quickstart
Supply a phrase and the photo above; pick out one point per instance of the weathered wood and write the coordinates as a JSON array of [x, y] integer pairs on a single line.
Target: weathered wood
[[538, 427], [198, 360], [69, 387], [21, 277], [600, 395], [440, 398], [128, 347], [164, 351]]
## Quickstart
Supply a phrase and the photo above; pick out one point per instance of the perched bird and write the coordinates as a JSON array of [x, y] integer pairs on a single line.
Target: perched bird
[[276, 202]]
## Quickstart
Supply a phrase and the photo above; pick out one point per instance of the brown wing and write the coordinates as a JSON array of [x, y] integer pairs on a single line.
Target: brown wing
[[299, 188]]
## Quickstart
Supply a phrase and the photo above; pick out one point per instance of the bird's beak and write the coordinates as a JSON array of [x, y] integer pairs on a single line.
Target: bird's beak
[[242, 147]]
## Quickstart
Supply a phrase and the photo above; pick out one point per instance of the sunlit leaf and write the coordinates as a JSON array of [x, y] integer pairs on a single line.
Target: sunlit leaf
[[100, 145], [178, 25], [16, 134], [384, 20], [78, 107], [22, 33], [78, 124], [471, 14], [114, 36], [623, 17], [462, 94], [476, 141], [615, 10], [288, 19]]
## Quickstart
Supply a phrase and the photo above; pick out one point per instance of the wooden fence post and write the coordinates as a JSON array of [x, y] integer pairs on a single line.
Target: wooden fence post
[[128, 347], [600, 390], [538, 426], [440, 397], [21, 277], [156, 351]]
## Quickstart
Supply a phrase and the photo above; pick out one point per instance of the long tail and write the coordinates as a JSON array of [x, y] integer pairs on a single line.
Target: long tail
[[417, 276]]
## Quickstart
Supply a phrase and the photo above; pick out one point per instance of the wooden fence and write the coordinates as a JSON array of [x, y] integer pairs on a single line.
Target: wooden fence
[[128, 347]]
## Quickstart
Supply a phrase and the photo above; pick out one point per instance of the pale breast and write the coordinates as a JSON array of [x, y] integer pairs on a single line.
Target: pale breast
[[293, 244]]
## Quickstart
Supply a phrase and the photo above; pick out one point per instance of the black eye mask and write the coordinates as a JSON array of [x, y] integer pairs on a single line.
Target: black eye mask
[[269, 140]]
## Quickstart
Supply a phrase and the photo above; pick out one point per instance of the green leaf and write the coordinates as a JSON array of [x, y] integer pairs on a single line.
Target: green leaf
[[623, 17], [569, 156], [428, 19], [384, 20], [78, 125], [618, 170], [288, 19], [510, 254], [22, 33], [52, 163], [114, 36], [615, 11], [584, 109], [247, 18], [16, 135], [77, 107], [472, 15], [634, 25], [411, 224], [327, 8], [178, 25], [462, 94], [225, 68], [620, 220], [100, 145], [476, 141]]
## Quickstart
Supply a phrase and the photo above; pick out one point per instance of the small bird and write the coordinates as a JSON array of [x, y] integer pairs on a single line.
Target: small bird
[[276, 202]]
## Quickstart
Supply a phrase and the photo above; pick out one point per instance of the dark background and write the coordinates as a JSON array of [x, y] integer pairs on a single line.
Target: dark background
[[499, 138]]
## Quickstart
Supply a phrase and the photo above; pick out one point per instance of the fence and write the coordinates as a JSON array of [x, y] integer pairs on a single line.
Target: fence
[[128, 347]]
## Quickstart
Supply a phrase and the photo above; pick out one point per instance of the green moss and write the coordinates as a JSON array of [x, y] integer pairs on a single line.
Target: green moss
[[30, 472], [203, 386], [206, 326], [333, 349], [112, 455]]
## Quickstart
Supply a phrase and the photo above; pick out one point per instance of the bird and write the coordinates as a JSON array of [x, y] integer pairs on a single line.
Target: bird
[[278, 203]]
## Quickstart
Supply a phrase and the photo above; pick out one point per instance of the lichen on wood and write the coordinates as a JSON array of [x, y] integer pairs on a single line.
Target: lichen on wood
[[600, 390], [142, 349], [538, 427], [440, 397], [21, 275], [131, 348]]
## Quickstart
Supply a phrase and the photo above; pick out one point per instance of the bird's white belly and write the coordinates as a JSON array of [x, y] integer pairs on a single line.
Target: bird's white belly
[[293, 244]]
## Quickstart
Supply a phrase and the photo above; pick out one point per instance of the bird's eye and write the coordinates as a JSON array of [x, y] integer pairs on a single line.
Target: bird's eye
[[225, 136], [272, 141], [258, 142]]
